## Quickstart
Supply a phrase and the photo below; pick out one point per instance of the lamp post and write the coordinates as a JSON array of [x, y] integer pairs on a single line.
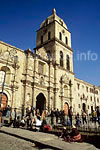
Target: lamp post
[[11, 55], [94, 96], [15, 67], [70, 85]]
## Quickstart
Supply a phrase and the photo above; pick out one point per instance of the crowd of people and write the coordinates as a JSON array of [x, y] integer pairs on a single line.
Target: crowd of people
[[31, 120], [78, 119], [34, 118]]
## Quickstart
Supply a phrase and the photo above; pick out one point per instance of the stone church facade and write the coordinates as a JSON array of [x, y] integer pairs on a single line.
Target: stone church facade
[[45, 79]]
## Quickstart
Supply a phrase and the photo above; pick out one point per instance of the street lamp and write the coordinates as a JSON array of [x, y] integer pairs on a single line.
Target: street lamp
[[94, 97], [70, 85], [13, 82], [11, 55]]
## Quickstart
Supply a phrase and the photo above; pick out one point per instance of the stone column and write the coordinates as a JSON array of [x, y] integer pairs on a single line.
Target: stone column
[[34, 80], [55, 86], [49, 86]]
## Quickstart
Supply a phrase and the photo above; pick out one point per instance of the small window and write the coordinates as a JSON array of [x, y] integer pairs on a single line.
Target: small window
[[60, 36], [96, 92], [42, 39], [67, 62], [91, 98], [78, 86], [87, 89], [78, 95], [88, 106], [61, 58], [83, 96], [66, 40], [79, 106], [65, 91], [40, 67], [49, 35]]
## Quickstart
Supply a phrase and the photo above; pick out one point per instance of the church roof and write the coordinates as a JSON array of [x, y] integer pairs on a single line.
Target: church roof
[[52, 18]]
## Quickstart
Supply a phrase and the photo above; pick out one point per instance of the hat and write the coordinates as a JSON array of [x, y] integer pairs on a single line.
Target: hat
[[73, 126]]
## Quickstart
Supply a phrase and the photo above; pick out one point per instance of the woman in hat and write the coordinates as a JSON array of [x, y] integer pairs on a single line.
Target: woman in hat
[[75, 135]]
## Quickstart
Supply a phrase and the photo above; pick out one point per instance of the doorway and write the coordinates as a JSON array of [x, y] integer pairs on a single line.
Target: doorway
[[84, 107], [66, 108], [4, 100], [40, 103]]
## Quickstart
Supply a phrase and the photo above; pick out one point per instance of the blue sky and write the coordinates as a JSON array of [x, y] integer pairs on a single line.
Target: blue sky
[[19, 20]]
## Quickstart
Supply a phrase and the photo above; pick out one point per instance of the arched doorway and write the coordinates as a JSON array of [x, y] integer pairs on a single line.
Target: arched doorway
[[4, 100], [84, 107], [40, 102], [91, 109], [66, 108]]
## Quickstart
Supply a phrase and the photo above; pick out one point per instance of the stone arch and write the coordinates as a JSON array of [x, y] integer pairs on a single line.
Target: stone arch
[[40, 102]]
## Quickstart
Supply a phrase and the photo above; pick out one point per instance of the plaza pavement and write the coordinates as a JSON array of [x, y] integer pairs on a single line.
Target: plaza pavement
[[49, 140]]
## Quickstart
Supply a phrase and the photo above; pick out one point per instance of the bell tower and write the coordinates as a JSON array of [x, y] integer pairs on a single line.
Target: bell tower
[[55, 38]]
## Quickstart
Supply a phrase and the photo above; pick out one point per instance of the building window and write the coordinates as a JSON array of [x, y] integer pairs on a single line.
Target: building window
[[83, 96], [98, 100], [66, 40], [87, 89], [61, 58], [42, 39], [65, 91], [79, 106], [91, 98], [96, 92], [49, 35], [88, 106], [67, 62], [78, 86], [78, 95], [40, 67], [91, 90], [60, 36]]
